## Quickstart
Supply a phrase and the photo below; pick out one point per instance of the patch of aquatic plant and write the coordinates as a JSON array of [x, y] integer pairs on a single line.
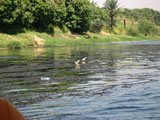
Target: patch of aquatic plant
[[14, 45], [62, 68], [64, 74], [50, 88], [22, 82]]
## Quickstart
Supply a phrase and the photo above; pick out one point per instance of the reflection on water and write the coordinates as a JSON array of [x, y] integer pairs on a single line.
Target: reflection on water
[[115, 81]]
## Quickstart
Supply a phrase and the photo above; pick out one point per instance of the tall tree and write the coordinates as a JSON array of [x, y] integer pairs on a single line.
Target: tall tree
[[112, 7], [79, 15], [9, 11]]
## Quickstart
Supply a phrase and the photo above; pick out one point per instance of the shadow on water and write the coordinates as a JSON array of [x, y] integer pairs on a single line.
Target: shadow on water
[[117, 81]]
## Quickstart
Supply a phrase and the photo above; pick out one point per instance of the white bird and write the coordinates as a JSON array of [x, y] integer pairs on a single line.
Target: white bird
[[77, 62], [84, 59]]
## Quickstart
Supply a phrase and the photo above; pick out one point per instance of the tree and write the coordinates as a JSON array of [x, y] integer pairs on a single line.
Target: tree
[[125, 12], [79, 15], [100, 18], [45, 14], [9, 12], [61, 13], [139, 14], [112, 7]]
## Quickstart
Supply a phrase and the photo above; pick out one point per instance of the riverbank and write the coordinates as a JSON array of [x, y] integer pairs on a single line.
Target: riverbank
[[37, 39]]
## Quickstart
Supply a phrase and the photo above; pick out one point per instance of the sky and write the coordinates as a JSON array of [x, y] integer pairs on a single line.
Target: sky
[[154, 4]]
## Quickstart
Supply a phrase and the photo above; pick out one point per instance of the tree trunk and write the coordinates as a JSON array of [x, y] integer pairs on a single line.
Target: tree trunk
[[111, 21], [111, 18], [124, 23], [132, 21]]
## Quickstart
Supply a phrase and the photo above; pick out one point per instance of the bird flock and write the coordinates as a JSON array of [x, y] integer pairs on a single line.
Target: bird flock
[[79, 62]]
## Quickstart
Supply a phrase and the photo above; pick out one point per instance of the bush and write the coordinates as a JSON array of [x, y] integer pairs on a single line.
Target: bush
[[132, 31], [119, 29], [158, 27], [14, 45], [64, 28], [108, 29], [97, 26], [50, 29], [79, 15], [147, 28], [12, 29]]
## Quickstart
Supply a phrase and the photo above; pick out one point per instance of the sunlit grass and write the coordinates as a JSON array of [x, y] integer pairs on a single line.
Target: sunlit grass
[[15, 41], [96, 38], [65, 39]]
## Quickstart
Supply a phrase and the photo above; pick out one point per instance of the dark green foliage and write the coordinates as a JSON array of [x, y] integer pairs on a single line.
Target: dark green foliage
[[79, 15], [64, 28], [12, 29], [61, 13], [147, 28], [9, 12], [41, 14], [50, 29], [27, 13]]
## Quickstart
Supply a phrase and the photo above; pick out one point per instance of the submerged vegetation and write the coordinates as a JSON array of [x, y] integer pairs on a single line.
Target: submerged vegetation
[[68, 22]]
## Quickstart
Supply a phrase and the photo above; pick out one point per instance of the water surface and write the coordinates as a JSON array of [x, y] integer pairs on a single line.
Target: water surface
[[116, 82]]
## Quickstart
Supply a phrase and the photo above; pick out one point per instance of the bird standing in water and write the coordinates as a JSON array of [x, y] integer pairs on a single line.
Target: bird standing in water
[[84, 60], [77, 63]]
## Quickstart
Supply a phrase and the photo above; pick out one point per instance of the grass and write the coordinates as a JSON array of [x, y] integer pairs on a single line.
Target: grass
[[15, 41], [96, 38], [26, 39], [14, 45]]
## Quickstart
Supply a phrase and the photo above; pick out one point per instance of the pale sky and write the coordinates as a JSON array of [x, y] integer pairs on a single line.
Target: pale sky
[[154, 4]]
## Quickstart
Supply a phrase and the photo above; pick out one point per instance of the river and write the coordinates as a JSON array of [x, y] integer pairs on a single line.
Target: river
[[117, 81]]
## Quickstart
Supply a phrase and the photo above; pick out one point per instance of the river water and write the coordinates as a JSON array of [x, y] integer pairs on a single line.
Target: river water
[[118, 81]]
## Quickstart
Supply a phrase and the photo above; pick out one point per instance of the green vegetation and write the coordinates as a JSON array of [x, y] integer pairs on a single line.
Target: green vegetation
[[64, 74], [72, 22], [147, 28], [67, 39], [57, 88], [97, 26], [17, 41], [113, 8], [132, 31], [14, 45], [140, 14], [41, 14]]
